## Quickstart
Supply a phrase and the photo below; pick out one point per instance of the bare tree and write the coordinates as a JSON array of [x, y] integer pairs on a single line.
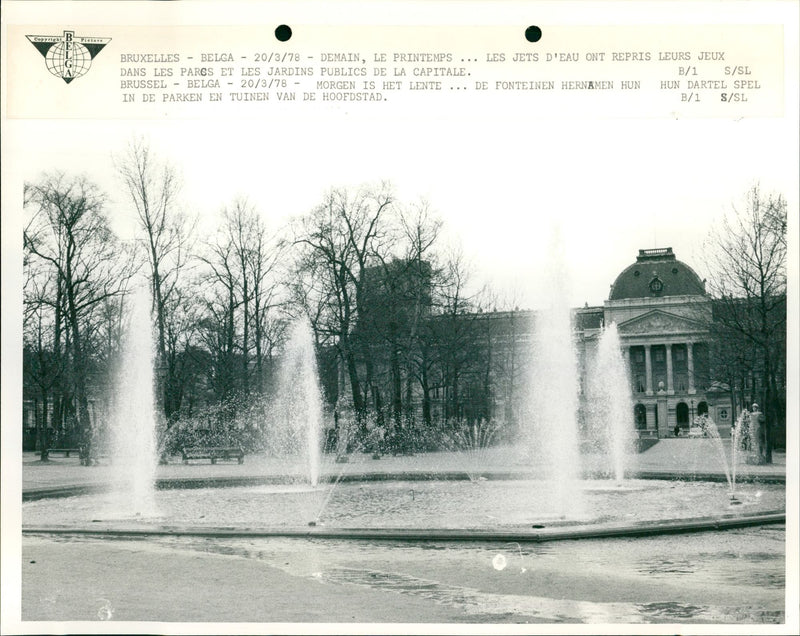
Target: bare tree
[[398, 295], [269, 321], [336, 244], [747, 261], [452, 334], [421, 230], [218, 325], [256, 257], [68, 235], [42, 352], [166, 235]]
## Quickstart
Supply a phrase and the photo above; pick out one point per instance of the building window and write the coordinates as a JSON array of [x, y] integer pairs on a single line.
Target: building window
[[680, 354], [639, 355], [659, 355], [639, 384]]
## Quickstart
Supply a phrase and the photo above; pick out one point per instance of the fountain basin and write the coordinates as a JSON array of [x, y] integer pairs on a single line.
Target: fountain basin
[[440, 509]]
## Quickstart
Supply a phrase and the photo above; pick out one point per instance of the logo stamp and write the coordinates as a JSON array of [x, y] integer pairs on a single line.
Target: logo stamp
[[67, 56]]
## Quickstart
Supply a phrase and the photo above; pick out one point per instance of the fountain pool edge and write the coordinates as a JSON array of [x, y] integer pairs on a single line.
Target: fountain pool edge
[[597, 531]]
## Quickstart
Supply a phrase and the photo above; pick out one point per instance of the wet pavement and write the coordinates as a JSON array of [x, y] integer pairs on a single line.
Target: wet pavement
[[731, 577]]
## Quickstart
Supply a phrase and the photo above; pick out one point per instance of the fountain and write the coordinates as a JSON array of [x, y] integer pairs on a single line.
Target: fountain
[[471, 443], [133, 422], [553, 397], [298, 405], [740, 438], [611, 407], [753, 432], [729, 466]]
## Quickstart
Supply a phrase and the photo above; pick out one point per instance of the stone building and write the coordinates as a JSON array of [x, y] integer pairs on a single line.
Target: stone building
[[662, 314]]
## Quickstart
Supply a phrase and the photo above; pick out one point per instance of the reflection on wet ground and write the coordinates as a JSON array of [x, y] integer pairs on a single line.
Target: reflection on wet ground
[[722, 577], [668, 567], [734, 576]]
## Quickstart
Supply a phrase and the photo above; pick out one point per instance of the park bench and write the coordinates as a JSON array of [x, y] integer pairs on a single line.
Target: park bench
[[213, 453], [64, 451]]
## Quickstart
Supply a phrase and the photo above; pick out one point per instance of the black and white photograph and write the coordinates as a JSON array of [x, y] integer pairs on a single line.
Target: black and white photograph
[[446, 317]]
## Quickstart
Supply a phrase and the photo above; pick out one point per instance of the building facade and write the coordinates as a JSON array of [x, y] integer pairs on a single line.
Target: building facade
[[662, 313]]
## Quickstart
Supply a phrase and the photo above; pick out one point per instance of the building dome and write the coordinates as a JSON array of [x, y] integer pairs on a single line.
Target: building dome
[[657, 273]]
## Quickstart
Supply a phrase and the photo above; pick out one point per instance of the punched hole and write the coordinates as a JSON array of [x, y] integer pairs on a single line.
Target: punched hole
[[283, 33], [533, 34]]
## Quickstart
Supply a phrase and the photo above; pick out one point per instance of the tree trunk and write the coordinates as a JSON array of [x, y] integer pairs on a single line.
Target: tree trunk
[[770, 410], [397, 388], [426, 405], [245, 332], [79, 371], [229, 341], [454, 410], [259, 353], [355, 385], [162, 379], [408, 405], [41, 426]]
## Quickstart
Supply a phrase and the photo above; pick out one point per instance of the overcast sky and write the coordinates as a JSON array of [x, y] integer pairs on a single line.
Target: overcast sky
[[499, 178], [614, 186]]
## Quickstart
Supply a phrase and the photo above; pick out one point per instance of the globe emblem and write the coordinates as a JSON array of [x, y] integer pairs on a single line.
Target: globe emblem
[[68, 60]]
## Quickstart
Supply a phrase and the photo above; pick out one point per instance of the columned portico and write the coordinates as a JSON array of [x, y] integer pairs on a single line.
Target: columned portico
[[648, 369], [679, 377], [670, 380]]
